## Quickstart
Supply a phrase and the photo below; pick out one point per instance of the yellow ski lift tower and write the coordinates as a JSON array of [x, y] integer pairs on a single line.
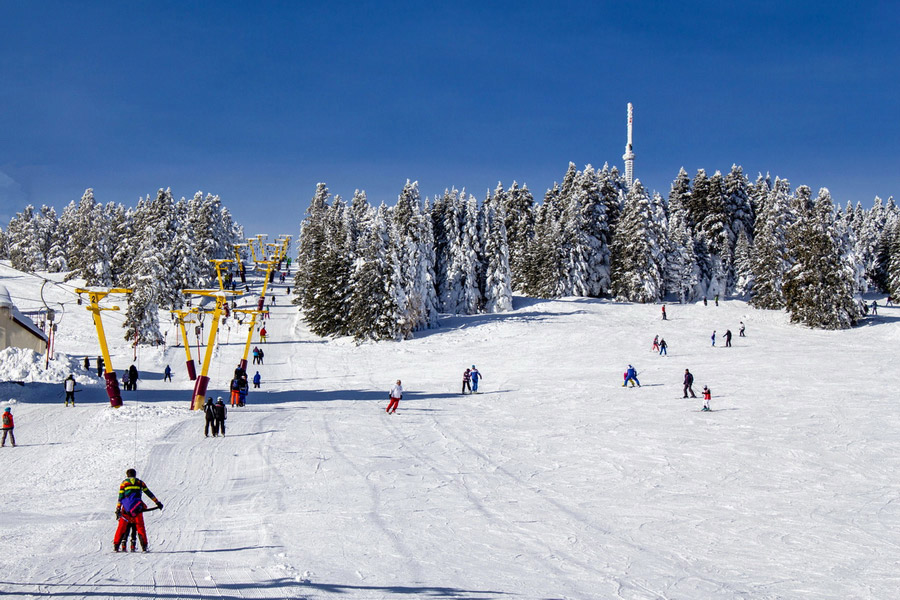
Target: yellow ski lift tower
[[182, 314], [94, 297], [253, 313], [202, 382]]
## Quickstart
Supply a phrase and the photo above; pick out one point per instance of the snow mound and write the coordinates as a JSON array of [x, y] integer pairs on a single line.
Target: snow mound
[[21, 364], [131, 412]]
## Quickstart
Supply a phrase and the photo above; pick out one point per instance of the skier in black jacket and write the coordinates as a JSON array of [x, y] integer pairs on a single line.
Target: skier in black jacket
[[221, 414], [210, 411]]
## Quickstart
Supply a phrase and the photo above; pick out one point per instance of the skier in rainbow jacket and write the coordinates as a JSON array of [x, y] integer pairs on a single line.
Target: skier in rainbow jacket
[[130, 510]]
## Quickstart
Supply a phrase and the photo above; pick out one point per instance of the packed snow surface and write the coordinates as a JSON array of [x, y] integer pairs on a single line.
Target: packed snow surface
[[553, 482]]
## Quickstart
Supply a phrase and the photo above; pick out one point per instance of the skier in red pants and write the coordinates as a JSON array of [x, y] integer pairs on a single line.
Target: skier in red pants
[[130, 508], [396, 395]]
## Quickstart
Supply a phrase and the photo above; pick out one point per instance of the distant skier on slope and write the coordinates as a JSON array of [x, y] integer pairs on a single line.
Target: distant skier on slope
[[707, 396], [221, 414], [210, 414], [631, 375], [467, 381], [655, 344], [256, 380], [728, 338], [395, 396], [130, 508], [662, 347], [688, 384], [476, 375], [69, 386]]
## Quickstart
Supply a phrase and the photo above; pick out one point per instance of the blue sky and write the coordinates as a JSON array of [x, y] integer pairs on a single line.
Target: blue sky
[[259, 101]]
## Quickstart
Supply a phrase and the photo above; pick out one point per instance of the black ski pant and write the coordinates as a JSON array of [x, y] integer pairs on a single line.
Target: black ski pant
[[211, 423], [688, 388], [70, 396], [466, 385]]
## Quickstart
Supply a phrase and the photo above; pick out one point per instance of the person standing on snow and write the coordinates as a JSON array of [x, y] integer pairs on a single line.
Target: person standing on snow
[[741, 331], [395, 396], [707, 396], [664, 312], [713, 338], [87, 364], [235, 391], [221, 415], [7, 424], [210, 413], [467, 381], [256, 380], [262, 355], [656, 343], [126, 380], [728, 338], [262, 334], [243, 390], [662, 347], [69, 386], [631, 375], [475, 375], [133, 375], [130, 508], [167, 374], [688, 383]]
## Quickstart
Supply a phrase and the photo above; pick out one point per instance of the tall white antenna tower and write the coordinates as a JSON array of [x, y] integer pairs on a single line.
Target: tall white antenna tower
[[628, 157]]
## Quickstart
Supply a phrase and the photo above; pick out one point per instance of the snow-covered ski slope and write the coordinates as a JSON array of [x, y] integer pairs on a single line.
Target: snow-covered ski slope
[[554, 482]]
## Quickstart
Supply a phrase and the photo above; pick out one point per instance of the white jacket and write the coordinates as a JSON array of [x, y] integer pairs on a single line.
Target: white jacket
[[397, 392]]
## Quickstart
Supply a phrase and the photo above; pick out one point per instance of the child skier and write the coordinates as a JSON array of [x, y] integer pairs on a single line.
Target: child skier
[[467, 381], [656, 343], [631, 375], [662, 347], [8, 424], [707, 395]]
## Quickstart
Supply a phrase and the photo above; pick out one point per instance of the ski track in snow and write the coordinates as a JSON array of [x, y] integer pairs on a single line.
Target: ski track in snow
[[553, 482]]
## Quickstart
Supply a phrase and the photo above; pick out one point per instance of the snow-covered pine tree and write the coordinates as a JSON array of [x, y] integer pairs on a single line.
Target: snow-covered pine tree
[[376, 296], [635, 272], [586, 237], [415, 249], [24, 244], [544, 264], [819, 287], [326, 314], [310, 247], [743, 265], [717, 234], [498, 279], [519, 208], [770, 257], [472, 300], [893, 278]]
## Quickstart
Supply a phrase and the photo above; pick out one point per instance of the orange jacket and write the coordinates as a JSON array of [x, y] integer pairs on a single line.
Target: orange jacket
[[8, 421]]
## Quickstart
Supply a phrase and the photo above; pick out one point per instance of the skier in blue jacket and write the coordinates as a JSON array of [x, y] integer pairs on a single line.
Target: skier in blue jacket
[[475, 377], [631, 375]]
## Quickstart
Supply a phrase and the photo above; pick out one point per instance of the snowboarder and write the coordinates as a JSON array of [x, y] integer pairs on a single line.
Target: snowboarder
[[476, 375], [741, 331], [133, 374], [707, 395], [688, 383], [728, 338], [713, 338], [262, 334], [221, 414], [7, 424], [69, 386], [395, 396], [467, 381], [130, 508], [210, 413], [167, 374], [655, 343], [662, 347], [631, 375], [256, 380], [664, 312]]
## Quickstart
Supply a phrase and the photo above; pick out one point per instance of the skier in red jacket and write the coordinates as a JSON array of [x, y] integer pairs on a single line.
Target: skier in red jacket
[[8, 426]]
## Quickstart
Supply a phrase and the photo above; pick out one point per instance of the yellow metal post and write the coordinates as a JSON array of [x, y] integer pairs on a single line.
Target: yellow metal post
[[192, 371], [95, 296]]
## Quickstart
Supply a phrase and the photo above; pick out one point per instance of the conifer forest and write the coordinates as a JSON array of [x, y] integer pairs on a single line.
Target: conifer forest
[[384, 272]]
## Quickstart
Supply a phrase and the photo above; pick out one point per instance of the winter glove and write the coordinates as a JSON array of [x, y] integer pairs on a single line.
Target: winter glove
[[118, 513], [159, 505]]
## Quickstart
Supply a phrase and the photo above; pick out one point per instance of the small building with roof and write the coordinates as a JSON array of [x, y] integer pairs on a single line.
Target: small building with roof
[[17, 330]]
